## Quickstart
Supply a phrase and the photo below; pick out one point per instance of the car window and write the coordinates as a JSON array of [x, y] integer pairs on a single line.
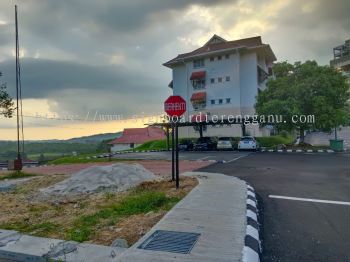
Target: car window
[[247, 138]]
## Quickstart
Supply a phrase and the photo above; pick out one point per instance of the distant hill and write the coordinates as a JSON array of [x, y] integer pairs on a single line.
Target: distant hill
[[94, 138], [55, 148]]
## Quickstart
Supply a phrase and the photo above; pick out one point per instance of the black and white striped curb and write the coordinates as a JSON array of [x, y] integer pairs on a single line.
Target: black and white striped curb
[[298, 150], [252, 244], [124, 152]]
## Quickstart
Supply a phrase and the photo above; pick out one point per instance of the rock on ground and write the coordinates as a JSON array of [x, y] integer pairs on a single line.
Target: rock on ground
[[10, 184], [116, 177]]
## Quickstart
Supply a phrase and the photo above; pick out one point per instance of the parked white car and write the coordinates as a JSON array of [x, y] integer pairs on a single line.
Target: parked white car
[[248, 143], [224, 143]]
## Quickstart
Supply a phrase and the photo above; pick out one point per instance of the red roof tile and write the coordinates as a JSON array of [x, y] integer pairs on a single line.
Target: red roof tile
[[139, 135]]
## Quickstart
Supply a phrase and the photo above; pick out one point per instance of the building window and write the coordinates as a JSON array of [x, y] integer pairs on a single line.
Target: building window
[[220, 101], [220, 79], [227, 78], [212, 80], [198, 105], [212, 102], [196, 128], [211, 59], [228, 100], [227, 56], [219, 57], [198, 84], [198, 63]]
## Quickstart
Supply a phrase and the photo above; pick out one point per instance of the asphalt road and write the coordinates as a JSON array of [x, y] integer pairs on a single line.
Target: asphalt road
[[227, 156], [298, 230]]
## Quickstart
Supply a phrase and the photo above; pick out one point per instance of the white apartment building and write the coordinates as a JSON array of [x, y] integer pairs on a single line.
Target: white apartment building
[[222, 78]]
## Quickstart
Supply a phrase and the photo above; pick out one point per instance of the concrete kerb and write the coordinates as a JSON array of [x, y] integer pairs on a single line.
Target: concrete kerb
[[18, 247], [301, 151], [252, 245]]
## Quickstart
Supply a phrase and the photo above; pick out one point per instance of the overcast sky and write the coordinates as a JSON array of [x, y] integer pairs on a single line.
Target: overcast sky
[[80, 56]]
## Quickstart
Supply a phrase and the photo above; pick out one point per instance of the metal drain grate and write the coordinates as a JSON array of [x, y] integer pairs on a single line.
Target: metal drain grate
[[170, 241]]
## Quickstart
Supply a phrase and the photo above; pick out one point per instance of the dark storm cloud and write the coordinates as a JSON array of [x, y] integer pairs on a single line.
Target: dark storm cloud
[[318, 13], [92, 32], [45, 17], [132, 15], [144, 33], [41, 78], [309, 30], [78, 89], [6, 34]]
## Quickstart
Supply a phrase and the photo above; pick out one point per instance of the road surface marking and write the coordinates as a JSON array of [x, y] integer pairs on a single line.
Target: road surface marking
[[312, 200], [204, 157], [234, 159]]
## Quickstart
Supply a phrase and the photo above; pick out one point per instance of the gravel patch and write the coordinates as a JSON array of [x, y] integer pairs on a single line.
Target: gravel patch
[[10, 184], [117, 177]]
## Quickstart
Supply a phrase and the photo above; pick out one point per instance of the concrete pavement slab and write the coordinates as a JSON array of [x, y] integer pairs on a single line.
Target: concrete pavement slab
[[216, 209]]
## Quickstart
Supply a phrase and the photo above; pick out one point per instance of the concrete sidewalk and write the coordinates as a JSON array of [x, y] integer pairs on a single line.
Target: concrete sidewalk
[[215, 212], [216, 209]]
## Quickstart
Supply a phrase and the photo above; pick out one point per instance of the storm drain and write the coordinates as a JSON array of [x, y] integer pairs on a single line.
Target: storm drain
[[170, 241]]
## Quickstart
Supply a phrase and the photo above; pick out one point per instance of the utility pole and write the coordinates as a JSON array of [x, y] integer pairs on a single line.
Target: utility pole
[[17, 93]]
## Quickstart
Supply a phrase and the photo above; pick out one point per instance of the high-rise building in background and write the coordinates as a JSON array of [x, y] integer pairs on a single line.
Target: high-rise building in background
[[341, 59]]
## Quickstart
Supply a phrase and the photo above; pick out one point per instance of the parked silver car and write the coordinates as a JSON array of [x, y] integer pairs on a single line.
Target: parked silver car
[[248, 143], [224, 143]]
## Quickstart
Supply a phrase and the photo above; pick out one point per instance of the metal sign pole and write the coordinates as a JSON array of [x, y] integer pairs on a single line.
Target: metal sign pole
[[172, 152], [175, 106], [177, 154]]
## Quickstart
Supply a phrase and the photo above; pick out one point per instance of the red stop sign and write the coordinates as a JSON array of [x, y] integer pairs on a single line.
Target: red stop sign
[[175, 106]]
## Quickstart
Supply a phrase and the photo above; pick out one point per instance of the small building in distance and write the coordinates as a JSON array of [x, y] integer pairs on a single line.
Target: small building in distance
[[341, 59], [134, 137]]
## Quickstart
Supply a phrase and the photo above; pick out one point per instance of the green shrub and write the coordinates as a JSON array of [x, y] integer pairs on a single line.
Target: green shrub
[[153, 145], [284, 134], [273, 141]]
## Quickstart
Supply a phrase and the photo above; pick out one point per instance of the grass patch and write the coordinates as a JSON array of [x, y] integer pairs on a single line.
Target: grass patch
[[273, 141], [16, 175], [153, 145], [40, 229], [84, 159], [137, 202]]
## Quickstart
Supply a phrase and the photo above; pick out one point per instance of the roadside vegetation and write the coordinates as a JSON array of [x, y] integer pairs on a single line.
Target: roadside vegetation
[[98, 218], [268, 141], [273, 141], [45, 151], [90, 158], [306, 89], [15, 175], [153, 145]]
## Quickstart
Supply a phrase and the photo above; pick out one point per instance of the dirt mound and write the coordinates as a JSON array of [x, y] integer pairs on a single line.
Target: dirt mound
[[116, 177]]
